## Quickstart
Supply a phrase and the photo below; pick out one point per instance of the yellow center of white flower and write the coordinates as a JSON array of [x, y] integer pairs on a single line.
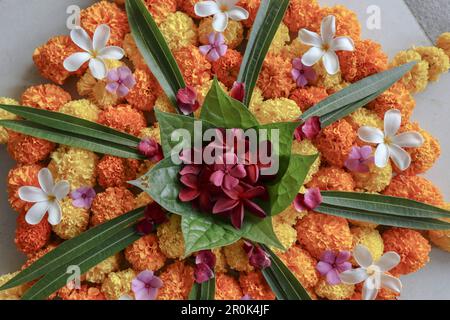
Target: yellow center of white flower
[[51, 197], [388, 140], [371, 270], [326, 47], [224, 8]]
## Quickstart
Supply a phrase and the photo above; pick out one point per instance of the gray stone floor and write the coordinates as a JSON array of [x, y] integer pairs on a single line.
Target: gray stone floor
[[433, 15]]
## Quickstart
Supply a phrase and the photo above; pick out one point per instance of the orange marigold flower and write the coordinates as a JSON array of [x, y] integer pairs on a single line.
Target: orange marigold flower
[[227, 288], [28, 150], [227, 67], [178, 279], [45, 96], [35, 256], [110, 204], [194, 66], [109, 13], [49, 59], [302, 265], [301, 14], [123, 118], [412, 247], [160, 9], [347, 23], [132, 52], [145, 92], [144, 254], [308, 97], [252, 6], [275, 79], [336, 141], [30, 238], [320, 232], [367, 59], [397, 97], [254, 284], [187, 6], [415, 188], [22, 176], [86, 292], [332, 178], [116, 172]]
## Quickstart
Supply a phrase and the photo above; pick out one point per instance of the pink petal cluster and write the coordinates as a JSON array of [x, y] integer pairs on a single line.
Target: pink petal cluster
[[308, 201], [153, 215], [205, 261], [359, 159], [310, 129], [332, 264], [151, 149], [187, 100], [257, 257], [238, 91], [146, 285], [83, 197], [216, 47], [302, 75], [120, 81]]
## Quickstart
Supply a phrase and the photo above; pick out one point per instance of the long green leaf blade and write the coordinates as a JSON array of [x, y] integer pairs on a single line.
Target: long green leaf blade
[[71, 139], [267, 21], [154, 49], [203, 291], [75, 247]]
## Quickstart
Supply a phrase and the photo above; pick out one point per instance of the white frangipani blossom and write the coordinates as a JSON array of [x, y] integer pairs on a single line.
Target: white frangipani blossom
[[373, 274], [95, 51], [46, 198], [324, 46], [390, 145], [222, 10]]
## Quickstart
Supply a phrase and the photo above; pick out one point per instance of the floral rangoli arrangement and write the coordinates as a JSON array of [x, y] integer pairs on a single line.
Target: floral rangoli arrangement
[[105, 183]]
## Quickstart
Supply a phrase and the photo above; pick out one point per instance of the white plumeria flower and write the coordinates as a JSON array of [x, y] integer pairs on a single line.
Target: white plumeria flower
[[374, 275], [389, 143], [221, 10], [325, 46], [95, 51], [46, 198]]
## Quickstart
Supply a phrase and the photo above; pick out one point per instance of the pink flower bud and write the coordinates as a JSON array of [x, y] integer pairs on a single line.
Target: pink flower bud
[[238, 91], [151, 149], [187, 100]]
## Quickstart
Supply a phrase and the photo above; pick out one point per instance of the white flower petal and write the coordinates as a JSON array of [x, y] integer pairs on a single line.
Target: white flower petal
[[409, 140], [382, 155], [343, 44], [75, 61], [312, 56], [32, 194], [369, 291], [113, 53], [206, 8], [220, 22], [36, 213], [371, 135], [400, 157], [390, 282], [354, 276], [388, 261], [310, 38], [392, 122], [98, 68], [46, 180], [331, 62], [101, 37], [54, 213], [328, 29], [362, 256], [81, 38], [61, 190], [238, 14]]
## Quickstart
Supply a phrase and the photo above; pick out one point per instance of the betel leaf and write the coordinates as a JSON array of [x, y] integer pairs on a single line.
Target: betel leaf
[[154, 49], [203, 291], [282, 281], [70, 249], [267, 21], [57, 278], [71, 139], [359, 91], [225, 112], [283, 191], [67, 123]]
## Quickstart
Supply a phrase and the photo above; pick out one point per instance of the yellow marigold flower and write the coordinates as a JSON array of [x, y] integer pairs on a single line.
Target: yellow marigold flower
[[152, 132], [123, 118], [276, 110], [13, 293], [234, 34], [438, 61], [83, 109], [363, 224], [376, 180], [302, 265], [178, 279], [45, 96], [171, 241], [227, 288], [443, 42], [275, 79], [347, 23], [5, 115], [74, 220], [301, 14], [334, 292], [194, 66], [118, 284], [142, 199], [295, 49], [132, 52], [179, 30], [332, 178], [164, 104], [144, 254], [441, 238], [257, 98], [290, 216], [254, 285], [221, 262], [307, 148], [330, 82], [284, 232], [99, 273], [110, 204], [77, 166], [365, 117], [160, 9], [281, 38], [236, 257], [417, 79], [370, 238]]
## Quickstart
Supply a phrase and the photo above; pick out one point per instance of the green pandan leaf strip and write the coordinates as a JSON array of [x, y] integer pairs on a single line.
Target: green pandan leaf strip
[[203, 291]]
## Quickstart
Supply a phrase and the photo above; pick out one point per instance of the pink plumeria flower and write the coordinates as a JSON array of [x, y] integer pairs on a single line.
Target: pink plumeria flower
[[228, 172], [308, 130], [205, 262], [302, 74], [83, 197], [146, 285], [360, 159], [257, 257], [120, 81], [187, 100], [332, 264], [151, 149], [216, 48], [308, 201], [222, 10]]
